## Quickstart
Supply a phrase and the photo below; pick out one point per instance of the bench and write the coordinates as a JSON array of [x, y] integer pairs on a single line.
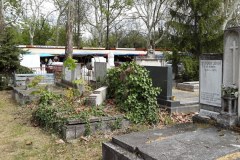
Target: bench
[[20, 79]]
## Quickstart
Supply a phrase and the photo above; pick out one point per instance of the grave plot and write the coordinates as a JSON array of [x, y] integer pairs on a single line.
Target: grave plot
[[72, 117], [25, 85], [180, 142], [219, 83], [73, 111]]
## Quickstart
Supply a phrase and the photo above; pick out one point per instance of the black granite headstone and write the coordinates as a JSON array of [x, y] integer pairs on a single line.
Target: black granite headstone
[[162, 77]]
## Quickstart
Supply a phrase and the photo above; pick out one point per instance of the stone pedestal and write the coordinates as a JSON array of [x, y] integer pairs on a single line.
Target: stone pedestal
[[229, 105], [226, 120]]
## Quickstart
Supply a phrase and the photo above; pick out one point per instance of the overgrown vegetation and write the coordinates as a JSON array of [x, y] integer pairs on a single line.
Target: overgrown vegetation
[[70, 63], [54, 111], [134, 93]]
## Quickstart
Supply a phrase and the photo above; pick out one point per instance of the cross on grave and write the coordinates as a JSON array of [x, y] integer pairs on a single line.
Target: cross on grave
[[234, 52]]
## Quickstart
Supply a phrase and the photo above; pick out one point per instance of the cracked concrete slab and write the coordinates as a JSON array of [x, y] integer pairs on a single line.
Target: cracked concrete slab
[[182, 142]]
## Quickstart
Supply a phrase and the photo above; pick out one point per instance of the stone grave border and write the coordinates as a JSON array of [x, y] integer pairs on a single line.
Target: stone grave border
[[76, 128]]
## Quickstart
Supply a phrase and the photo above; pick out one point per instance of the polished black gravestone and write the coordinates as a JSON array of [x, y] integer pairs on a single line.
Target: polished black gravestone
[[162, 78]]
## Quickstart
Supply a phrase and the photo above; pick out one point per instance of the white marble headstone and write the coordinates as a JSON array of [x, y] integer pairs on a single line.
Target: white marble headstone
[[67, 74], [231, 59], [71, 75], [231, 65], [210, 82], [110, 60]]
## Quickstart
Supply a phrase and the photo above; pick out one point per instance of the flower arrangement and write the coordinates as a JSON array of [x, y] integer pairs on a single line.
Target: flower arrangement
[[230, 90]]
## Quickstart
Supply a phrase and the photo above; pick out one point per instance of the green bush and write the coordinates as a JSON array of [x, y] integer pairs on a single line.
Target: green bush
[[132, 89], [23, 70], [191, 69]]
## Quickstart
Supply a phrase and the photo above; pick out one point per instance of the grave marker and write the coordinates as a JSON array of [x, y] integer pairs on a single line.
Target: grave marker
[[100, 70], [210, 80]]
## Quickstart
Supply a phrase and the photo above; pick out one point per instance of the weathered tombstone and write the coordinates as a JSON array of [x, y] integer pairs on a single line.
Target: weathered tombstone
[[231, 56], [210, 82], [210, 75], [97, 59], [100, 70], [231, 75], [212, 97], [67, 76], [71, 75], [111, 60]]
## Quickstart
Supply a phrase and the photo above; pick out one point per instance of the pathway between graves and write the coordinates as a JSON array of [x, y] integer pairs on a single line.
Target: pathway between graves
[[186, 97], [19, 139]]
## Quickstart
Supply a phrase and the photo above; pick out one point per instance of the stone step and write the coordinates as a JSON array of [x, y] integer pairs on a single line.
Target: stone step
[[184, 109], [181, 142], [129, 147], [111, 151]]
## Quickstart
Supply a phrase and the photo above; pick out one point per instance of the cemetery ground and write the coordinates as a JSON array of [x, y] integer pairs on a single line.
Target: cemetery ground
[[22, 139]]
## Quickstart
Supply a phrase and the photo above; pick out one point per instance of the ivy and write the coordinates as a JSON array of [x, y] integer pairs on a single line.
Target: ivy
[[70, 63], [134, 93]]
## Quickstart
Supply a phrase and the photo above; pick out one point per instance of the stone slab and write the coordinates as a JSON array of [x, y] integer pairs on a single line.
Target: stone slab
[[192, 82], [184, 109], [76, 128], [227, 121], [210, 81], [184, 142], [110, 151], [208, 114], [188, 87]]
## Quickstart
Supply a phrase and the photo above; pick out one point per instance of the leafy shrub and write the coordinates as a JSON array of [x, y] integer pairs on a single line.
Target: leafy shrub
[[5, 81], [23, 70], [132, 89], [191, 69], [70, 63], [54, 111], [51, 117]]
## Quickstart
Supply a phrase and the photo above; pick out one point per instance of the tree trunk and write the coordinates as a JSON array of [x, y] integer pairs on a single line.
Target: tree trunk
[[78, 25], [31, 39], [108, 12], [57, 32], [70, 19], [2, 22]]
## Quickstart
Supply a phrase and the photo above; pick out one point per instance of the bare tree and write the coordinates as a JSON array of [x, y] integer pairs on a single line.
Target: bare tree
[[61, 6], [151, 13], [230, 8], [105, 13], [80, 20]]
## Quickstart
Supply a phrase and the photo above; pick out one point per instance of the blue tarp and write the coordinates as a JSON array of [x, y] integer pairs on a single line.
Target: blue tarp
[[46, 55]]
